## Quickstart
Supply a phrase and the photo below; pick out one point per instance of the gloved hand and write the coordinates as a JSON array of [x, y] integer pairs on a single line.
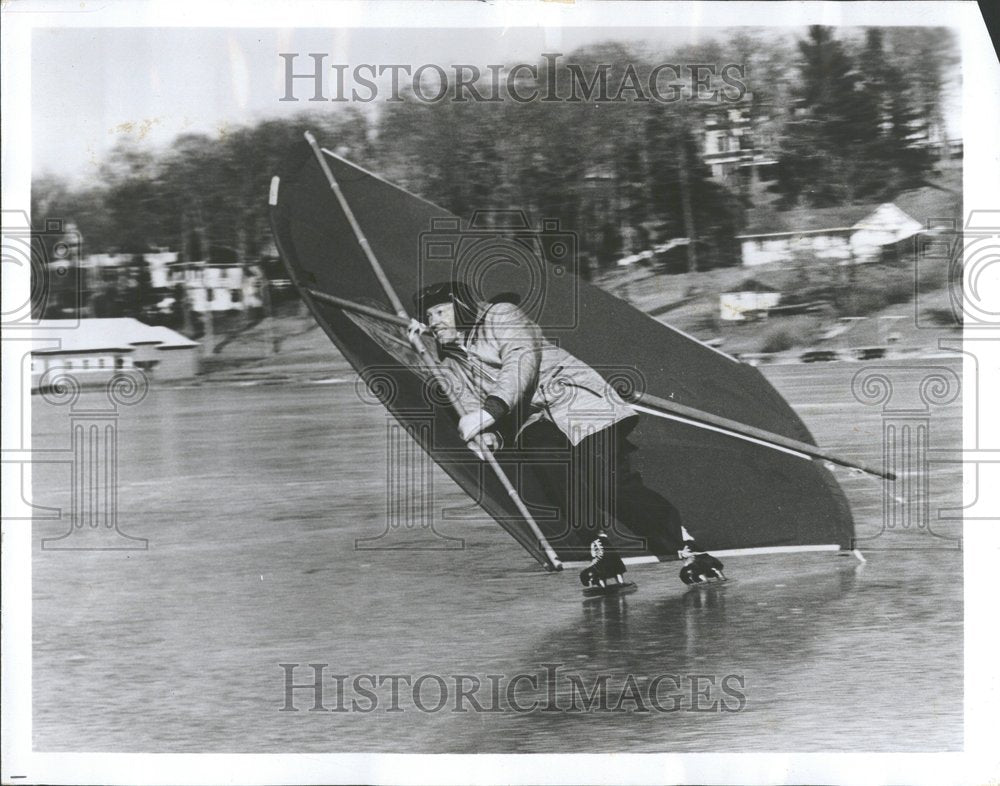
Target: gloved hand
[[474, 423], [488, 440], [415, 330]]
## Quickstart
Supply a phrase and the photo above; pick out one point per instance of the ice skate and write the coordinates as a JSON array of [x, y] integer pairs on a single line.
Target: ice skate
[[700, 567], [605, 573]]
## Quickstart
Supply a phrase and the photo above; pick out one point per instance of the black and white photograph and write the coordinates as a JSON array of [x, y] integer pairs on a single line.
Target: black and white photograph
[[585, 392]]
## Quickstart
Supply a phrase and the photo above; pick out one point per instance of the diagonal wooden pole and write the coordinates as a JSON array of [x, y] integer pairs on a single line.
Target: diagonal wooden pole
[[666, 408], [418, 345]]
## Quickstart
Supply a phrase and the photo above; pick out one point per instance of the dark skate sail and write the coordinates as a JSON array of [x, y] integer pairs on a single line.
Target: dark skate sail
[[731, 493]]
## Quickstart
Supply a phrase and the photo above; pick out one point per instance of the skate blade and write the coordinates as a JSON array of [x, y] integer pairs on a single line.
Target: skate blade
[[609, 589], [705, 580]]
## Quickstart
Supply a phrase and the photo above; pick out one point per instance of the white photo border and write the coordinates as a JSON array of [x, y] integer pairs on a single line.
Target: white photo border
[[981, 102]]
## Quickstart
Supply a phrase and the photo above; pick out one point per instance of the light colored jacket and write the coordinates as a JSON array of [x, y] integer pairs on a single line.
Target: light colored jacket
[[506, 356]]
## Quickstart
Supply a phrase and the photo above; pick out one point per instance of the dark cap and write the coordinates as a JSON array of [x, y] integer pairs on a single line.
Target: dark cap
[[454, 292]]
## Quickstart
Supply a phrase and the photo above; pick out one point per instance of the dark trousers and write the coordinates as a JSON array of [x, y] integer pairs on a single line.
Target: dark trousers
[[601, 486]]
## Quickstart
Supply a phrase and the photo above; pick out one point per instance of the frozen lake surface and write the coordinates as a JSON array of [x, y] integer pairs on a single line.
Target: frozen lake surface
[[253, 498]]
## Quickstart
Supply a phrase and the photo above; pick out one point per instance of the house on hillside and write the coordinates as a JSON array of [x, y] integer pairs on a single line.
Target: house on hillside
[[94, 349], [218, 286], [739, 146], [747, 301], [845, 235]]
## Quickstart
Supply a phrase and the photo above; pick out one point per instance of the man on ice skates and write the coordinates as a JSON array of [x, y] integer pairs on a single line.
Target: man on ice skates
[[506, 373]]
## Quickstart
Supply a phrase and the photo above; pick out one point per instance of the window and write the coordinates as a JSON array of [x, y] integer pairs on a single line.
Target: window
[[236, 295]]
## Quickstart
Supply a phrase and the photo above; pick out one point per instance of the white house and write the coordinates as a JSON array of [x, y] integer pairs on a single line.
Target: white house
[[844, 235], [748, 301], [92, 350], [218, 286]]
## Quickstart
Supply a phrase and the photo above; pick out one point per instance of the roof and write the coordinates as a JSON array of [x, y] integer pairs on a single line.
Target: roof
[[933, 205], [93, 334], [751, 285], [763, 221]]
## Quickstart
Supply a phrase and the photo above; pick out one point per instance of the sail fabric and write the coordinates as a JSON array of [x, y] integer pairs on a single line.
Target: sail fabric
[[730, 493]]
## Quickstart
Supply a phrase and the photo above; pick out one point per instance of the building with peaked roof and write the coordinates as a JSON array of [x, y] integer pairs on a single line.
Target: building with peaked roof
[[844, 235], [938, 205], [748, 301], [92, 350]]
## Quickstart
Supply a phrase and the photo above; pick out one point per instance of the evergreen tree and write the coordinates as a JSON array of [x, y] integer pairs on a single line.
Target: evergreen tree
[[896, 156], [925, 57], [827, 126], [854, 134], [684, 195]]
